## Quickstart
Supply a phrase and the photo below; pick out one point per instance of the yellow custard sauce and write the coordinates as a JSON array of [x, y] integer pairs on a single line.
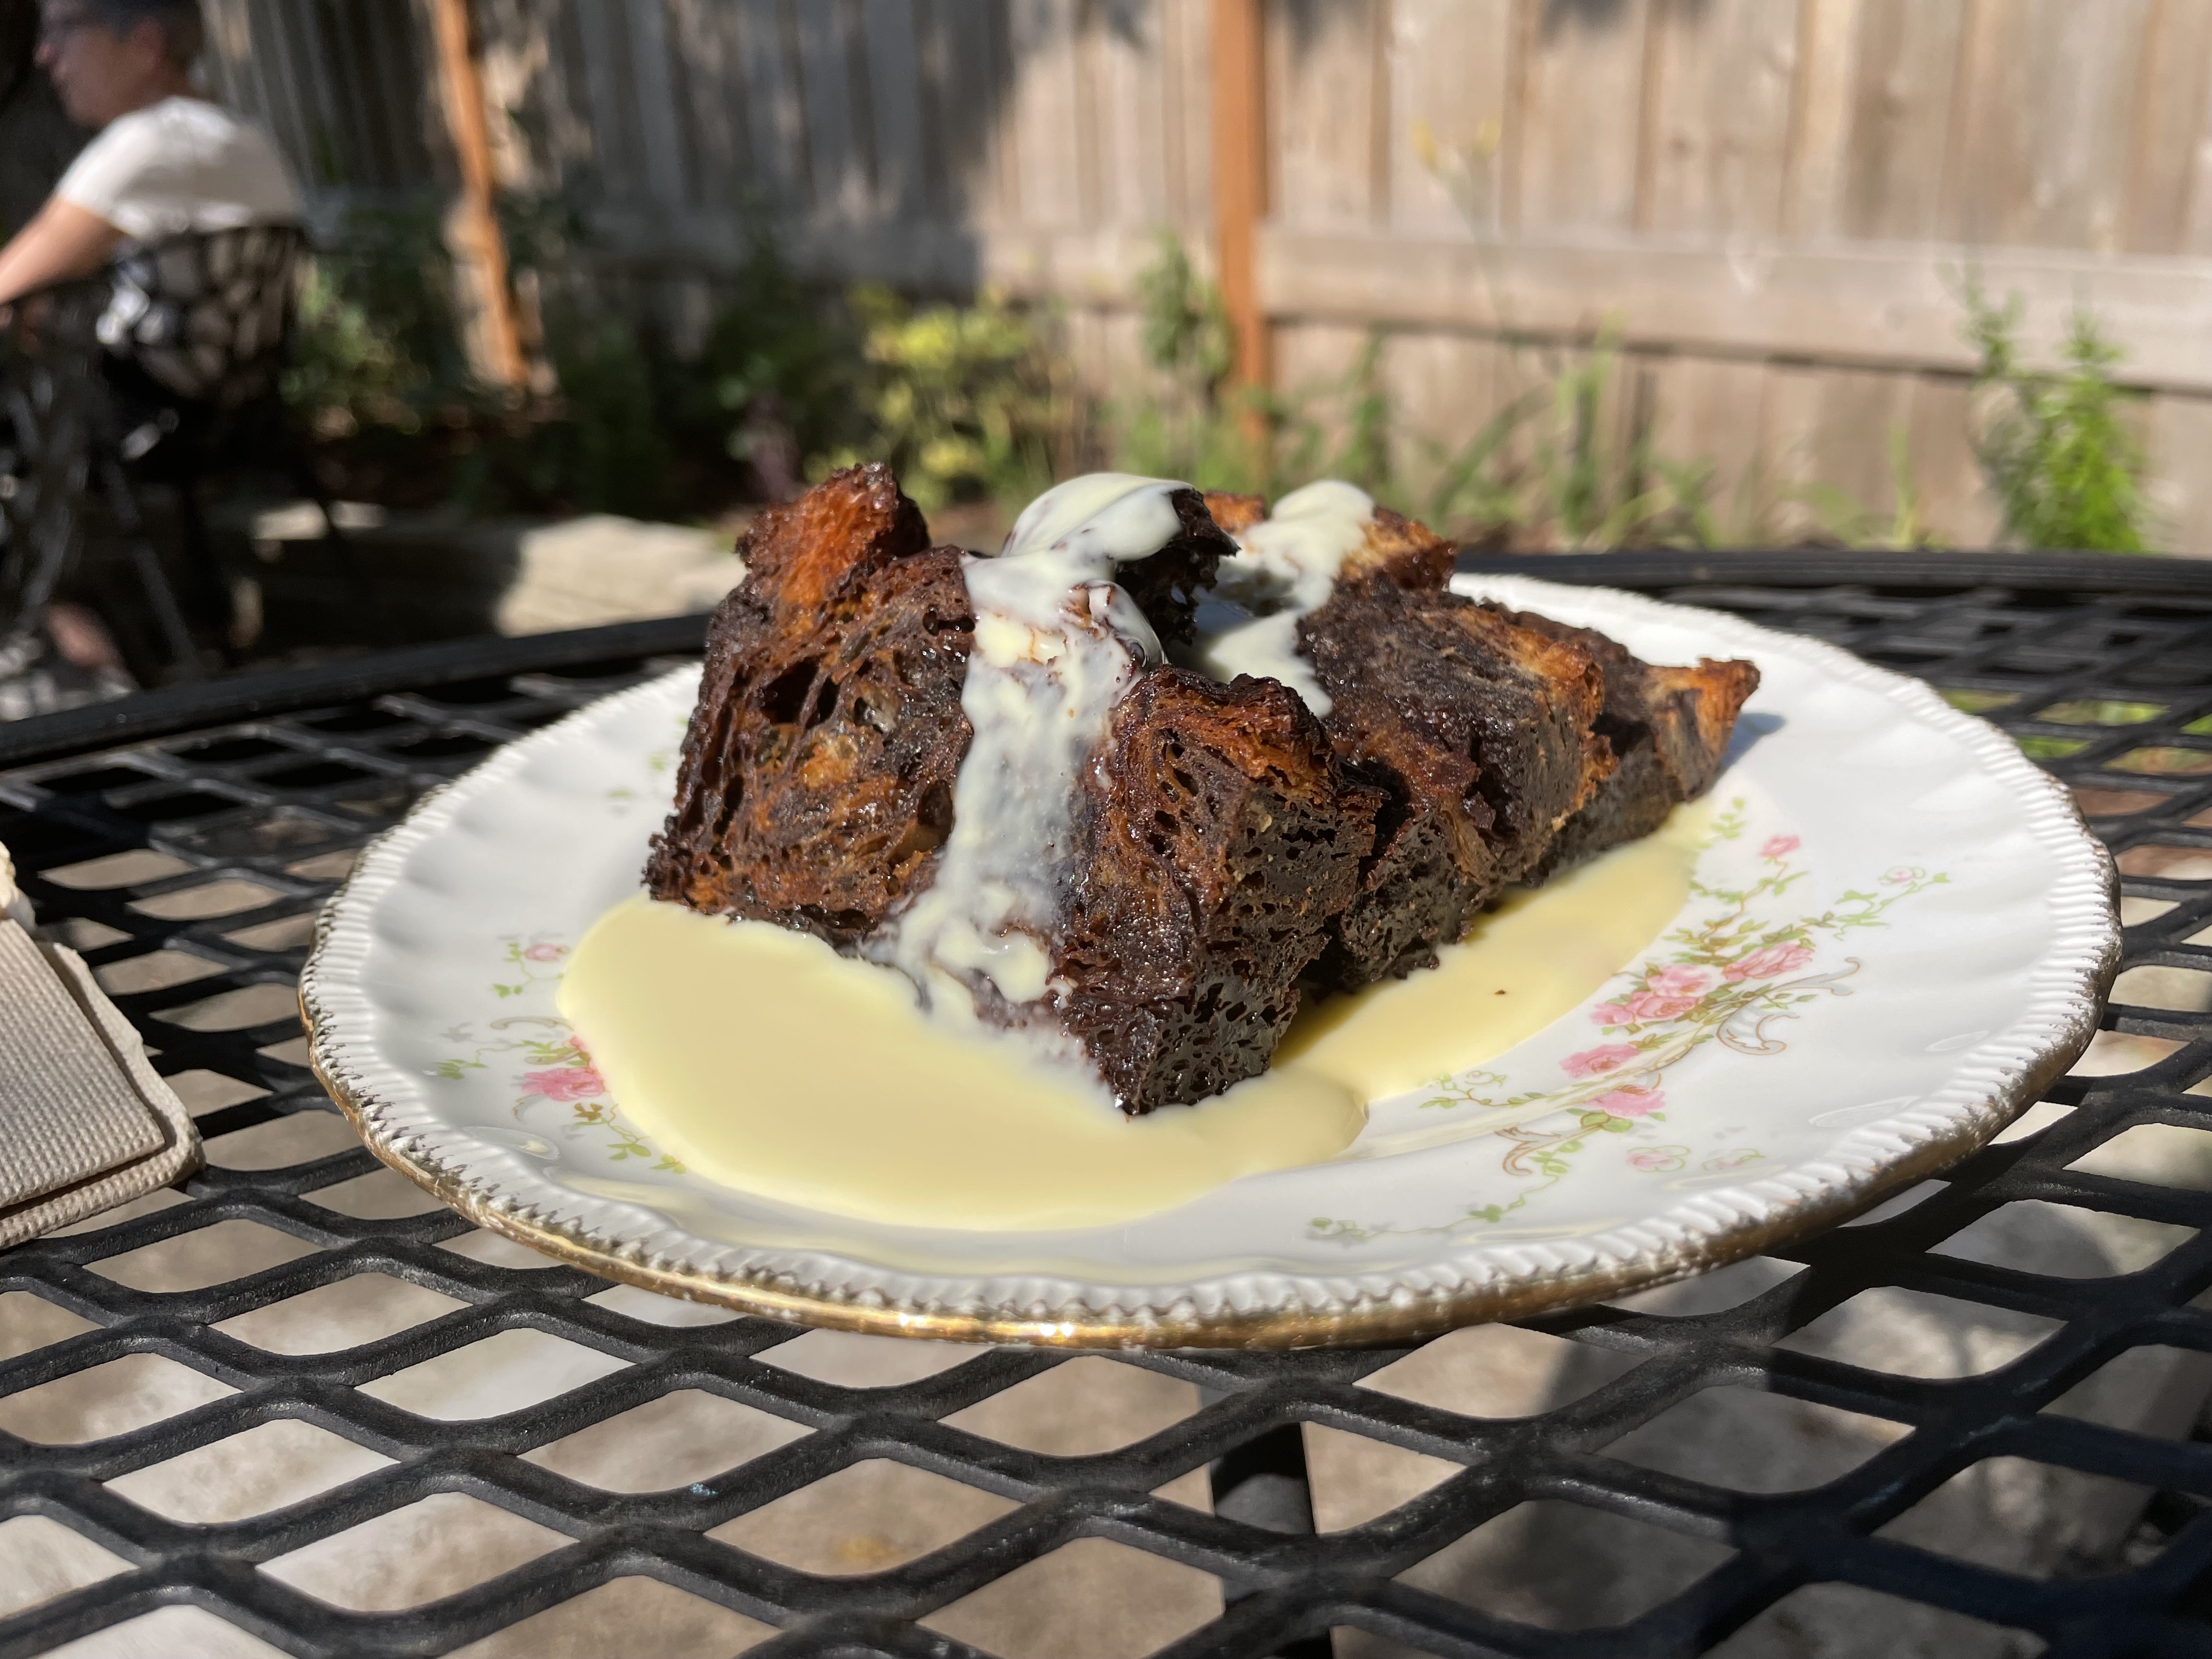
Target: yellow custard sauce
[[767, 1062]]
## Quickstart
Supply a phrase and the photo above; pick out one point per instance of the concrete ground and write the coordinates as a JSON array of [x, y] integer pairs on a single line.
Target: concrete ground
[[436, 576]]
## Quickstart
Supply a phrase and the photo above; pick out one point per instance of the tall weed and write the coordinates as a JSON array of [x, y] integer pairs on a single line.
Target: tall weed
[[2055, 446], [1195, 424]]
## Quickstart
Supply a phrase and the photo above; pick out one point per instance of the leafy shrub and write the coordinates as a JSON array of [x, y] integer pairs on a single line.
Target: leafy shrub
[[966, 403], [784, 361], [601, 445], [2055, 446], [375, 341], [1196, 424]]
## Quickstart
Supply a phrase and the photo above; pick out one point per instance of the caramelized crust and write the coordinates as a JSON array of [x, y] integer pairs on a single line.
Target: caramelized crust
[[1166, 586], [1236, 513], [1668, 727], [1404, 550], [817, 772], [1482, 733], [1692, 712], [1221, 839]]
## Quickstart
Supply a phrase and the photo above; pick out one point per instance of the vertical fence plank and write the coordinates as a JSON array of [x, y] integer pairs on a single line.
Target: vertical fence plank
[[653, 92], [560, 104], [944, 194], [1443, 387], [1828, 51], [380, 52], [1725, 74], [1954, 501], [1848, 446], [223, 61], [1314, 363], [839, 168], [2045, 123], [1186, 72], [1240, 185], [703, 44], [1712, 411], [1888, 184], [2168, 142], [2180, 437], [1321, 117], [1128, 132], [286, 100], [895, 101], [1449, 65], [1041, 125], [1583, 119], [605, 91], [775, 122], [336, 125], [964, 78]]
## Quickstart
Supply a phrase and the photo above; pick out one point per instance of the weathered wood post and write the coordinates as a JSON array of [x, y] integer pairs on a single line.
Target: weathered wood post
[[495, 339], [1240, 177]]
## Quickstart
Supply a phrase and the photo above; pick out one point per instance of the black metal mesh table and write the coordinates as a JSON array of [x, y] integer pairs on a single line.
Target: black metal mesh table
[[197, 832]]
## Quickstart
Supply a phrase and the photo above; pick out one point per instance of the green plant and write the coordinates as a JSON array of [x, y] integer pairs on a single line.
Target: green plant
[[1193, 424], [965, 401], [601, 446], [1550, 470], [2055, 446], [1842, 518], [1186, 325], [376, 342], [784, 361]]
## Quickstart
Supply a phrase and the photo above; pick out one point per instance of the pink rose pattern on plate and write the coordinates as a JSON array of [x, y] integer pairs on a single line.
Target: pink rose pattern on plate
[[1728, 976], [559, 1072]]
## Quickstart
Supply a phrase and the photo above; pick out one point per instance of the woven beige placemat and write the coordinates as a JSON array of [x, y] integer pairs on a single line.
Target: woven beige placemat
[[85, 1122]]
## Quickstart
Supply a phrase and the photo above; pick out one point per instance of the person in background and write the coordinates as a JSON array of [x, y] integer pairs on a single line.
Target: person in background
[[37, 140], [166, 161]]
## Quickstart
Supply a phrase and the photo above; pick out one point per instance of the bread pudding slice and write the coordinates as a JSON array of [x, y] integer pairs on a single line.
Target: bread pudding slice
[[1141, 899], [1482, 735], [816, 779], [1668, 729]]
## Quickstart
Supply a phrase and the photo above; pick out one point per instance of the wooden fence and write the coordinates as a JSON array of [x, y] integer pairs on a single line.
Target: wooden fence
[[1768, 200]]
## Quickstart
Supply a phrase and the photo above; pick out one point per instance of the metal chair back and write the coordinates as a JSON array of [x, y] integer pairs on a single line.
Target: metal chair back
[[163, 352]]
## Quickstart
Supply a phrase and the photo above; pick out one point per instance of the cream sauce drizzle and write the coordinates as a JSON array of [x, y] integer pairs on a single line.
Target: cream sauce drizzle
[[767, 1063], [1285, 569], [1057, 644]]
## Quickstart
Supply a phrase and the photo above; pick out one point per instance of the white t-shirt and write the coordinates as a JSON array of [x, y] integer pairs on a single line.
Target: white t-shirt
[[178, 166]]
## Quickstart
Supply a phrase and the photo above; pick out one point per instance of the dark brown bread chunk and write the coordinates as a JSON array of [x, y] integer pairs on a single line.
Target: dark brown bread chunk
[[817, 778], [1668, 729], [1219, 835], [1221, 839], [1166, 586], [1482, 731], [1403, 550]]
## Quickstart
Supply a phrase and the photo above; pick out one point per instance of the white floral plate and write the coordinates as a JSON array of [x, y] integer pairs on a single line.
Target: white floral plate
[[1899, 934]]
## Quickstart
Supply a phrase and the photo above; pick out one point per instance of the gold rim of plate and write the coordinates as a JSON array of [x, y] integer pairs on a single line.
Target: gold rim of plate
[[1375, 1326]]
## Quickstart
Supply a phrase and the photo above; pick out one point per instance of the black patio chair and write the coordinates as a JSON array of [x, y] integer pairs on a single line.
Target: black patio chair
[[163, 370]]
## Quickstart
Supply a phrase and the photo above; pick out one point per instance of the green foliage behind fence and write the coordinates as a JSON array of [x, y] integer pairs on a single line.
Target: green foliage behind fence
[[979, 402]]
